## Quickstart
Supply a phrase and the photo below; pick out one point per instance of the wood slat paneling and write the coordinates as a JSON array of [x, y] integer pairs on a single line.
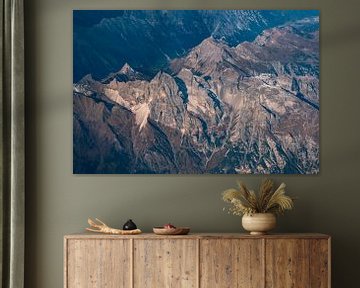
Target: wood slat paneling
[[287, 263], [165, 263], [231, 263], [98, 264]]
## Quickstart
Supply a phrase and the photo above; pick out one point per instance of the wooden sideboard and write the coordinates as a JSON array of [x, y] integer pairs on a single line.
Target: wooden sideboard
[[197, 260]]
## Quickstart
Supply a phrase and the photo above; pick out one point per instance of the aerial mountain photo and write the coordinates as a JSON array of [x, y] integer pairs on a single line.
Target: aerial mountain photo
[[196, 92]]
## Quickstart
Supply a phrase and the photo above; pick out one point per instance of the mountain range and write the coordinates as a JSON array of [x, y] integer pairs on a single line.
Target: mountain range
[[229, 92], [104, 40]]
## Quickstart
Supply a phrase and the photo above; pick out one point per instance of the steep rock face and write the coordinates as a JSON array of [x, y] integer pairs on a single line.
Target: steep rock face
[[272, 87], [250, 108], [107, 139], [165, 136]]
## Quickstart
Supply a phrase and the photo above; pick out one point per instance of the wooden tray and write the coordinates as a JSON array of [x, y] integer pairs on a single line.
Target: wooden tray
[[171, 231]]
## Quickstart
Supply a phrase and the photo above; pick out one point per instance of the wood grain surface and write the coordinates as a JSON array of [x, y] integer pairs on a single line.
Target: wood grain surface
[[319, 263], [287, 263], [165, 263], [197, 260], [98, 263], [231, 263], [89, 235]]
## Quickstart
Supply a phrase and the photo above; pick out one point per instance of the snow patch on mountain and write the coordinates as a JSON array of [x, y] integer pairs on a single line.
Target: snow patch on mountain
[[142, 113]]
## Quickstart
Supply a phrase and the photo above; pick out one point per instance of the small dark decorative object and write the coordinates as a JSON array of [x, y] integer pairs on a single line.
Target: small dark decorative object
[[129, 225]]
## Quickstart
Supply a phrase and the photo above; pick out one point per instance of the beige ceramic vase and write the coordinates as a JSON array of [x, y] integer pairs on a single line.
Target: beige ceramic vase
[[259, 223]]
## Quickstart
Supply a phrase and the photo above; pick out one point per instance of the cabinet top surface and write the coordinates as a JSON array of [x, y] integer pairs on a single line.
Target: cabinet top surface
[[86, 235]]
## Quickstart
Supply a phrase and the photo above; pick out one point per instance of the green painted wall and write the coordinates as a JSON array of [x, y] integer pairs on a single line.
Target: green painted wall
[[59, 202]]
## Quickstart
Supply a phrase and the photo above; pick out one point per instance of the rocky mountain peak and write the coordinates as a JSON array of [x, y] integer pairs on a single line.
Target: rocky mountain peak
[[125, 74], [86, 79], [126, 69], [203, 58], [209, 42], [210, 48]]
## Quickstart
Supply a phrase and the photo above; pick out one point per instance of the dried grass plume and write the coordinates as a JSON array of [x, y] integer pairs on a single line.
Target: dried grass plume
[[267, 200]]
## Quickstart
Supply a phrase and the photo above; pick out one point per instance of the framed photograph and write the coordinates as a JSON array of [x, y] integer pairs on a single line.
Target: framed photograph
[[195, 91]]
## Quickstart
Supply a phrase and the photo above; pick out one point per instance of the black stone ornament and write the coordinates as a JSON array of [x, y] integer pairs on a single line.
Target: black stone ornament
[[129, 225]]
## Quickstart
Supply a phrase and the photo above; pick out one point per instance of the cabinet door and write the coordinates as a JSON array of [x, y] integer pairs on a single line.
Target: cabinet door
[[164, 263], [98, 263], [231, 263], [320, 263], [287, 263]]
